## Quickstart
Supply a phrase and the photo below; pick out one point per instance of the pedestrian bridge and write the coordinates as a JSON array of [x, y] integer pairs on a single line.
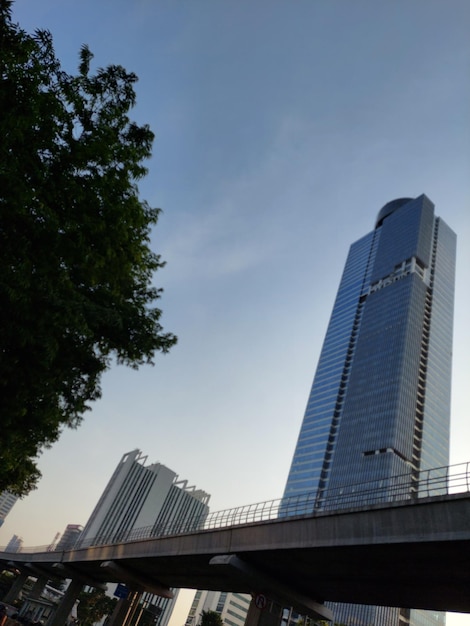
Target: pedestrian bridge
[[408, 550]]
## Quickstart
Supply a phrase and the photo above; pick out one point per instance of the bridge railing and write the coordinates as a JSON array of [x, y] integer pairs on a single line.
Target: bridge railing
[[405, 488]]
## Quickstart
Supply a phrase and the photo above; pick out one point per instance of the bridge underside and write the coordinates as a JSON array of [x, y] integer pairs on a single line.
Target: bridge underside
[[414, 556], [429, 576]]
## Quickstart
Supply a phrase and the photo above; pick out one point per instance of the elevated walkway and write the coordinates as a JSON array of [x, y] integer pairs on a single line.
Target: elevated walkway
[[410, 553]]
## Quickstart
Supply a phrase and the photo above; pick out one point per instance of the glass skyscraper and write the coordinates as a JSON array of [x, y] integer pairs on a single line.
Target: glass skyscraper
[[380, 400]]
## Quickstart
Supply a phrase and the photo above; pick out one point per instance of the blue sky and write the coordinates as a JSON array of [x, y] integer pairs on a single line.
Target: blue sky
[[282, 127]]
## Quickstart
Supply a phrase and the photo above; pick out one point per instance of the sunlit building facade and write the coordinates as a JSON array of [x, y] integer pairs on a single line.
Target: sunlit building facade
[[145, 500], [379, 406], [232, 607]]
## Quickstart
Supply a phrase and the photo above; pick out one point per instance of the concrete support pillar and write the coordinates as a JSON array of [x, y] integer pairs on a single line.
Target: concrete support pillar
[[120, 611], [15, 589], [271, 615], [38, 587], [125, 609], [66, 604]]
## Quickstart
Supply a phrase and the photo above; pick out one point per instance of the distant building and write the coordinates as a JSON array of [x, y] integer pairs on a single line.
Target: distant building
[[379, 406], [232, 607], [15, 544], [7, 501], [69, 537], [40, 610], [151, 497]]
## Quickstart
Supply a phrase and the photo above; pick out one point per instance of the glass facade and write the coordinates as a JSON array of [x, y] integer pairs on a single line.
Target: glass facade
[[232, 607], [315, 446], [379, 406]]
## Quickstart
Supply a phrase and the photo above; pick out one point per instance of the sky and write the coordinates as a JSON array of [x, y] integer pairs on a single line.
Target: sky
[[282, 127]]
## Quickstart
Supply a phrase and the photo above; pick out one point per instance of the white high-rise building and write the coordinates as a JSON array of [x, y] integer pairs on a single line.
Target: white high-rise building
[[232, 607], [144, 497], [7, 501]]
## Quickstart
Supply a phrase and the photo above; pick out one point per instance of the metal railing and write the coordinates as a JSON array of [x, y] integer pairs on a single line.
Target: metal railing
[[407, 488]]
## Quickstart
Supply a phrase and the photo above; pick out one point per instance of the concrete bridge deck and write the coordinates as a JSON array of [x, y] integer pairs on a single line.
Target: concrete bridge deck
[[408, 555]]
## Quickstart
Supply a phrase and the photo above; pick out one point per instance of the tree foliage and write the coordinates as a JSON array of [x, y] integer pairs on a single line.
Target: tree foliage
[[93, 606], [211, 618], [76, 267]]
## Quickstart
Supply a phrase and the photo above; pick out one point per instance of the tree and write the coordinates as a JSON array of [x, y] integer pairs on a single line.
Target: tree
[[211, 618], [57, 583], [6, 581], [93, 606], [76, 267]]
